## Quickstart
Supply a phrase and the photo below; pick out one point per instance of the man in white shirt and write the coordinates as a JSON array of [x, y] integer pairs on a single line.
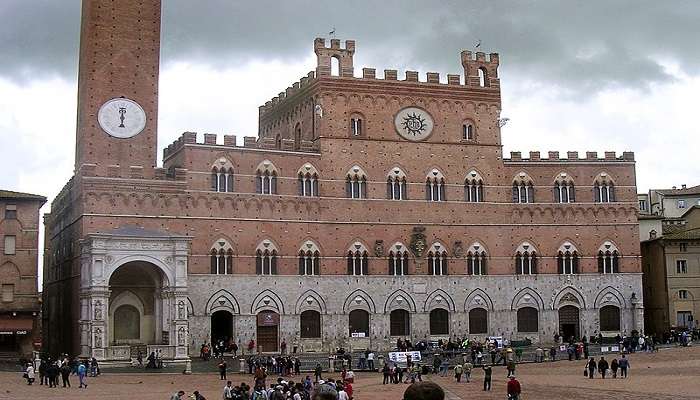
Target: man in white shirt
[[228, 391], [370, 360]]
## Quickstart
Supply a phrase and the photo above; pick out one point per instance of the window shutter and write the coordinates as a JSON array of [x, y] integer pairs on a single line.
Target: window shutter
[[273, 264], [229, 264], [315, 186], [612, 193], [359, 126], [517, 264], [596, 193], [530, 193], [555, 191], [317, 264], [301, 185], [574, 263], [213, 264], [351, 256], [222, 182], [365, 265], [391, 264], [480, 191], [258, 183], [389, 190], [534, 263], [273, 178], [348, 187], [403, 189], [214, 181], [601, 261], [363, 188], [405, 264], [301, 264], [572, 193], [258, 264], [560, 263]]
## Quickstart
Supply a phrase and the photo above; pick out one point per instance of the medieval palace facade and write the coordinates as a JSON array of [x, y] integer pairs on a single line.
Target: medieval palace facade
[[368, 208]]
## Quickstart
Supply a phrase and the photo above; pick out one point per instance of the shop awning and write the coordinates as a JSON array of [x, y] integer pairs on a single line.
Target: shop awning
[[16, 326]]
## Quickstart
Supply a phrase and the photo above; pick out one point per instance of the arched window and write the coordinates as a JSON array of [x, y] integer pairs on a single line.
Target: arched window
[[396, 186], [567, 259], [483, 77], [473, 188], [563, 190], [308, 181], [266, 178], [608, 259], [525, 260], [357, 125], [398, 260], [356, 183], [266, 258], [603, 189], [309, 259], [359, 323], [310, 324], [439, 322], [528, 320], [358, 263], [335, 66], [476, 260], [221, 255], [297, 136], [523, 189], [437, 259], [222, 176], [478, 321], [609, 318], [468, 131], [399, 323], [435, 186]]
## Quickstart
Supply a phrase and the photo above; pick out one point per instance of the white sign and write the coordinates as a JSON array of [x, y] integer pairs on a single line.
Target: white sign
[[402, 356], [122, 118], [414, 124], [357, 334]]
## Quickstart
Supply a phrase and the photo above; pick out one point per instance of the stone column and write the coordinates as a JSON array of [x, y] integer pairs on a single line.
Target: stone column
[[180, 325]]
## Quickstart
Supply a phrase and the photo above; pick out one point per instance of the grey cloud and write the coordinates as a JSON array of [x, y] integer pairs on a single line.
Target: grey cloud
[[582, 45]]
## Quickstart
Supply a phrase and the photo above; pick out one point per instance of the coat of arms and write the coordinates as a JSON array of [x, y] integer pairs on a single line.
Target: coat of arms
[[458, 249], [418, 243], [379, 248]]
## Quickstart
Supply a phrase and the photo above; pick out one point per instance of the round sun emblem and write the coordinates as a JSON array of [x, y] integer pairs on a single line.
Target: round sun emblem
[[413, 123]]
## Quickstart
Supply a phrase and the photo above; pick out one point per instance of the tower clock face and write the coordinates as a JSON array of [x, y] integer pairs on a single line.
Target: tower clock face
[[414, 124], [121, 118]]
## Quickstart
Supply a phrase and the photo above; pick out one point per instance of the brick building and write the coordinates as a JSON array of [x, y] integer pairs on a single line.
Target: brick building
[[19, 304], [367, 209]]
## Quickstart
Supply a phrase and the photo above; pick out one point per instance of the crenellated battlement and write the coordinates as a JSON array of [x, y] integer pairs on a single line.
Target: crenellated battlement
[[571, 156], [296, 87], [478, 71]]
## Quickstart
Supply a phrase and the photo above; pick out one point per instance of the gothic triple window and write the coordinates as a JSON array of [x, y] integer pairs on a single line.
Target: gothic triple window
[[356, 183], [437, 259], [396, 186], [222, 176], [476, 260], [266, 178], [473, 188], [525, 260], [608, 259], [523, 189], [266, 258], [564, 189], [568, 259], [308, 181], [309, 259], [398, 260], [603, 189], [435, 186], [358, 260], [221, 256]]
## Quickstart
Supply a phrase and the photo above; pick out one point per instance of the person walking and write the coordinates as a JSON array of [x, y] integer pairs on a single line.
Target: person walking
[[29, 374], [511, 368], [591, 365], [228, 391], [458, 372], [370, 361], [82, 373], [613, 367], [444, 367], [65, 374], [624, 364], [385, 372], [468, 370], [603, 367], [487, 377], [317, 372], [513, 388]]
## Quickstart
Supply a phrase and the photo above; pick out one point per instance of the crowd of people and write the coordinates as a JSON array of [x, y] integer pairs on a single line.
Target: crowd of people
[[49, 370]]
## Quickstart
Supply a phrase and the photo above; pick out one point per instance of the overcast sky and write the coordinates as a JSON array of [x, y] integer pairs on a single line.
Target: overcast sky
[[575, 75]]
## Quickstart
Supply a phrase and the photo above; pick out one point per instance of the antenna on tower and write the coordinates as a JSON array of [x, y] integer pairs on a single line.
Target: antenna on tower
[[332, 33]]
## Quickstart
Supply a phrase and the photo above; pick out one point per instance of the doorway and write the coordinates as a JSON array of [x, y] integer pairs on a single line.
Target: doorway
[[221, 326], [268, 331], [569, 322]]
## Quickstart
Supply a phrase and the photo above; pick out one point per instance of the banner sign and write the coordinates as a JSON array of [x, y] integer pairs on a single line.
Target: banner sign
[[401, 356], [268, 319]]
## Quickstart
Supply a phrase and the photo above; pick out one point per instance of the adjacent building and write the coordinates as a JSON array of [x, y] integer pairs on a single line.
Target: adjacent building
[[19, 252], [367, 209], [671, 258]]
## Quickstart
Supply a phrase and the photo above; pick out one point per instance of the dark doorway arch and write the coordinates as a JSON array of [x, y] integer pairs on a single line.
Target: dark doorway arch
[[221, 326], [399, 323], [268, 331], [359, 322], [439, 322], [569, 322], [610, 318], [478, 321], [528, 320], [127, 323], [310, 324]]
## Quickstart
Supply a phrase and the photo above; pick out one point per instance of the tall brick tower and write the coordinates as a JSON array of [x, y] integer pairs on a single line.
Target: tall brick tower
[[118, 86]]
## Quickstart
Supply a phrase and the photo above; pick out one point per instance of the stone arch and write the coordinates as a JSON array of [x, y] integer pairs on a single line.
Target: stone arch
[[222, 300], [399, 299], [267, 166], [609, 296], [168, 273], [267, 300], [127, 297], [308, 168], [310, 300], [568, 296], [478, 298], [439, 299], [359, 300], [527, 297]]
